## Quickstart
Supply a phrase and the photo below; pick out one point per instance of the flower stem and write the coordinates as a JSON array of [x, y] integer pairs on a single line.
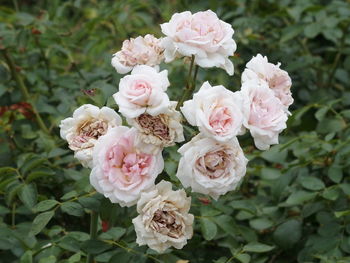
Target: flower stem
[[17, 77], [190, 85], [93, 232]]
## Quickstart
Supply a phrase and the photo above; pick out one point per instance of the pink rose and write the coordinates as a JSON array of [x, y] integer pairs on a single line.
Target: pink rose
[[210, 167], [264, 114], [138, 51], [278, 80], [120, 170], [203, 35], [216, 111], [143, 92]]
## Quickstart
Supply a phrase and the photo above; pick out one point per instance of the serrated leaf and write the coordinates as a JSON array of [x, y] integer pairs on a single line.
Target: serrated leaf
[[209, 228], [95, 246], [299, 197], [28, 195], [72, 208], [257, 247], [288, 234], [45, 205], [40, 221], [243, 258], [312, 183]]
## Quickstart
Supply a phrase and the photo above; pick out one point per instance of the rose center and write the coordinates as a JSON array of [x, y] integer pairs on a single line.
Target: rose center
[[167, 223], [155, 125], [220, 120], [214, 164], [91, 129]]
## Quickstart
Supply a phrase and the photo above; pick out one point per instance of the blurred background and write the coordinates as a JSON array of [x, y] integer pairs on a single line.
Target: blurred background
[[293, 205]]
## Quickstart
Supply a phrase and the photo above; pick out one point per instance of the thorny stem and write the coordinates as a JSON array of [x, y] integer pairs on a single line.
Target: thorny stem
[[17, 77], [190, 85], [93, 232]]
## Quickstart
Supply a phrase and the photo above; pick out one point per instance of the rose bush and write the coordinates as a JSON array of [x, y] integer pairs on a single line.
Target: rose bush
[[292, 204]]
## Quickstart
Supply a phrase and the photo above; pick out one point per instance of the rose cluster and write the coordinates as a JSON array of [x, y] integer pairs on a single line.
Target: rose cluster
[[125, 161]]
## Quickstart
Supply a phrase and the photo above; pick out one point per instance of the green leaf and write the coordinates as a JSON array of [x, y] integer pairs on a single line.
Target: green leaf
[[27, 257], [312, 30], [45, 205], [257, 247], [72, 208], [49, 259], [311, 183], [299, 197], [95, 246], [335, 173], [226, 223], [28, 195], [270, 173], [243, 258], [331, 193], [209, 228], [115, 233], [288, 234], [342, 213], [39, 173], [74, 258], [40, 221], [260, 223]]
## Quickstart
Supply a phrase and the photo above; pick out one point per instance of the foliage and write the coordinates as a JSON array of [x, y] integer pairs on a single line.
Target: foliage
[[293, 205]]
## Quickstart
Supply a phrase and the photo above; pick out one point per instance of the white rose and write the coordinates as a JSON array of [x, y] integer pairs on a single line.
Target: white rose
[[158, 131], [201, 34], [121, 171], [264, 113], [211, 167], [138, 51], [163, 219], [258, 68], [143, 92], [85, 127], [216, 111]]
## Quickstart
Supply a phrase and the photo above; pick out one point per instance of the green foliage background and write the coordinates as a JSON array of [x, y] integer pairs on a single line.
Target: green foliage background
[[293, 205]]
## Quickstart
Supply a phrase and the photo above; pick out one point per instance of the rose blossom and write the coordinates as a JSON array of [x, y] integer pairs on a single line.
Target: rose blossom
[[264, 114], [85, 127], [121, 171], [278, 80], [159, 131], [138, 51], [143, 92], [163, 219], [201, 34], [211, 167], [216, 111]]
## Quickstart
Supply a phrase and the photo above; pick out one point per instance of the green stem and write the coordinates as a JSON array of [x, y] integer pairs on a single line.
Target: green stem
[[17, 77], [190, 85], [46, 62], [93, 233]]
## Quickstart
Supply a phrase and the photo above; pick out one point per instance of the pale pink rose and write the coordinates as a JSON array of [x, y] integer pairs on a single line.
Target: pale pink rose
[[85, 127], [143, 92], [278, 80], [164, 220], [158, 131], [138, 51], [264, 114], [201, 34], [211, 167], [216, 111], [120, 170]]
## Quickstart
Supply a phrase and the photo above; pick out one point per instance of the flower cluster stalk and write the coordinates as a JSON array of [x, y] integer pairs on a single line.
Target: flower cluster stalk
[[190, 85]]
